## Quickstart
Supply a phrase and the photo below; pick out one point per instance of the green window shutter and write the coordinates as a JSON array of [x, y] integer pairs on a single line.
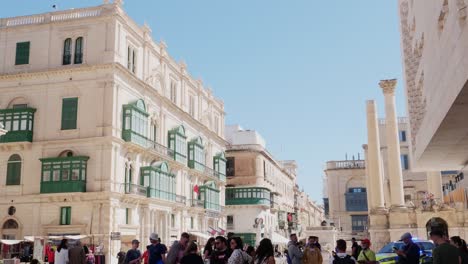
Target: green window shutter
[[69, 113], [65, 215], [14, 170], [22, 53]]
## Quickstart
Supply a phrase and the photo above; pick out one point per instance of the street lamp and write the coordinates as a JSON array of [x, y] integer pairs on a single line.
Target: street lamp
[[2, 130]]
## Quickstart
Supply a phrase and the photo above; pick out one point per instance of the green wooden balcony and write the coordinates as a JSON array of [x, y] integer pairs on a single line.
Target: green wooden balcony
[[63, 186], [19, 123], [252, 195]]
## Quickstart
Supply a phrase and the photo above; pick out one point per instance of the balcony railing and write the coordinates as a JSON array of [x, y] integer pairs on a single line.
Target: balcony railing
[[197, 203], [346, 164], [135, 189], [181, 199], [160, 149]]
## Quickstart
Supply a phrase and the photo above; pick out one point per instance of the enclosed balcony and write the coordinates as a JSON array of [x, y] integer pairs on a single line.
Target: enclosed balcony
[[64, 174], [356, 200], [252, 195], [159, 181], [19, 123], [209, 194], [196, 155], [135, 122]]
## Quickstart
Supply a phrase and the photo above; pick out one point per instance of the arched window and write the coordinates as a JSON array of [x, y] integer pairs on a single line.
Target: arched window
[[67, 52], [14, 170], [79, 50], [10, 224]]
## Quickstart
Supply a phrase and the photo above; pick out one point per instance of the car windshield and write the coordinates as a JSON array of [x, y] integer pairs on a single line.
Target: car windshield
[[422, 245]]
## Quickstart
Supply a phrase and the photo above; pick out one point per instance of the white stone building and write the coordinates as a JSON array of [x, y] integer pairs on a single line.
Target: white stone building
[[106, 132], [262, 199]]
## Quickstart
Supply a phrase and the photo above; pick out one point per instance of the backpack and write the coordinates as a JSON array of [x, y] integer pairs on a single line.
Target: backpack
[[345, 260]]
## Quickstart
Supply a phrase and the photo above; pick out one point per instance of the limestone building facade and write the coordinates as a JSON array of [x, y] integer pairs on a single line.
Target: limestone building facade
[[262, 199], [106, 132]]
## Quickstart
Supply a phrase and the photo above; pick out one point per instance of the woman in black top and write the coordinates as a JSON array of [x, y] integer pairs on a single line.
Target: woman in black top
[[208, 248], [461, 245], [191, 255]]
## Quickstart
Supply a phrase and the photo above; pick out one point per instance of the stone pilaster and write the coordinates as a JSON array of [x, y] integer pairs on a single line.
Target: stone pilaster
[[393, 146], [434, 184]]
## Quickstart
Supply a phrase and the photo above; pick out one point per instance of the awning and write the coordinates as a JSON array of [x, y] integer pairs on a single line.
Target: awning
[[10, 242], [278, 239], [199, 234], [77, 237]]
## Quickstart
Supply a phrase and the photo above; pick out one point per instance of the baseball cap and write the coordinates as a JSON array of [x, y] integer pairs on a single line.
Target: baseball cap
[[365, 241], [153, 236], [406, 236]]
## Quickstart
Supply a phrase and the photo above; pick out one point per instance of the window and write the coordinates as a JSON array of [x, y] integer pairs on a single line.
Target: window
[[359, 222], [14, 170], [22, 53], [174, 92], [69, 113], [230, 166], [404, 162], [210, 196], [219, 165], [196, 157], [159, 181], [131, 59], [357, 190], [402, 135], [216, 124], [127, 216], [65, 215], [135, 123], [407, 198], [356, 199], [230, 221], [172, 220], [153, 132], [192, 105], [191, 223], [177, 143], [64, 174], [79, 50], [67, 52]]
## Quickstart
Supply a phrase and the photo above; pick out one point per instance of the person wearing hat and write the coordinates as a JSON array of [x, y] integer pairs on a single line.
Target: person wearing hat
[[409, 253], [367, 256], [157, 251], [133, 255]]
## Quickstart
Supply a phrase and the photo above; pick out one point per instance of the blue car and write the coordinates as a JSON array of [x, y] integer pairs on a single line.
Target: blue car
[[387, 256]]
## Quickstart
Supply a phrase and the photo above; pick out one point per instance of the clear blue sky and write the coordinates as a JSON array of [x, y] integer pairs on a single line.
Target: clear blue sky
[[297, 71]]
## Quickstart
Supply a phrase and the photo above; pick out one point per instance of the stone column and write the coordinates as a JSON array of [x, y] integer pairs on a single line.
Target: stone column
[[393, 145], [434, 185], [368, 183], [373, 158]]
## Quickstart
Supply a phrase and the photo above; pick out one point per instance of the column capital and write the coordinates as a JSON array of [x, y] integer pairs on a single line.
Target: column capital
[[388, 86]]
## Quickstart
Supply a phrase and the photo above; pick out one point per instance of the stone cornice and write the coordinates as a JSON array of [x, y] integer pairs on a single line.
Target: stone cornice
[[388, 86]]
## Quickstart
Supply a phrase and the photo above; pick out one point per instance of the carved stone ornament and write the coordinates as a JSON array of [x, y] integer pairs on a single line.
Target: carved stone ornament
[[388, 86]]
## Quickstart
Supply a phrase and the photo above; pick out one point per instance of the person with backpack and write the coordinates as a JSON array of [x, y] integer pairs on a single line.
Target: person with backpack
[[367, 256], [355, 248], [341, 257]]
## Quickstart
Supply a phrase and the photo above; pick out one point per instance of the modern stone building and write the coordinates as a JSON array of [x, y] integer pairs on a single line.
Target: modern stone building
[[106, 132], [262, 199]]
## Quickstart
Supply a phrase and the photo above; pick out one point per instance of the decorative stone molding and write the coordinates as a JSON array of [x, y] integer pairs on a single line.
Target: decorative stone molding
[[443, 16], [388, 86], [461, 5]]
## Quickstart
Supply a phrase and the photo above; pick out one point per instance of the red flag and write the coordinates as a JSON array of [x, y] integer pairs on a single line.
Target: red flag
[[196, 189]]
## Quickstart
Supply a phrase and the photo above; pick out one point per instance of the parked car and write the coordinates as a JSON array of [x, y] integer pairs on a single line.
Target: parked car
[[387, 255]]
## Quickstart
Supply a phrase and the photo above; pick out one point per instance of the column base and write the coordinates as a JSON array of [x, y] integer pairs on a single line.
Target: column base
[[379, 210], [398, 208]]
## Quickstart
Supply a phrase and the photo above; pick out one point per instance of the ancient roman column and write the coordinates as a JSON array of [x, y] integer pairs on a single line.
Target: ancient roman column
[[373, 158], [434, 184], [393, 145], [368, 184]]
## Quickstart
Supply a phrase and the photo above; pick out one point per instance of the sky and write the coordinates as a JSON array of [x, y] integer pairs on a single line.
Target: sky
[[298, 72]]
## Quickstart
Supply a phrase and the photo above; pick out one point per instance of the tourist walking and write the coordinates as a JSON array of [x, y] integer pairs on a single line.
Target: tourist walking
[[133, 255], [294, 252], [50, 253], [410, 252], [61, 255], [157, 251], [238, 256], [461, 245], [340, 256], [265, 252], [367, 256], [444, 253], [76, 254], [176, 252], [315, 242], [312, 253], [221, 253], [191, 255], [208, 250]]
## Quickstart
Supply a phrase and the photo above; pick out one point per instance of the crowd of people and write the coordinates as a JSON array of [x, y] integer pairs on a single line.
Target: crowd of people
[[218, 250], [63, 254]]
